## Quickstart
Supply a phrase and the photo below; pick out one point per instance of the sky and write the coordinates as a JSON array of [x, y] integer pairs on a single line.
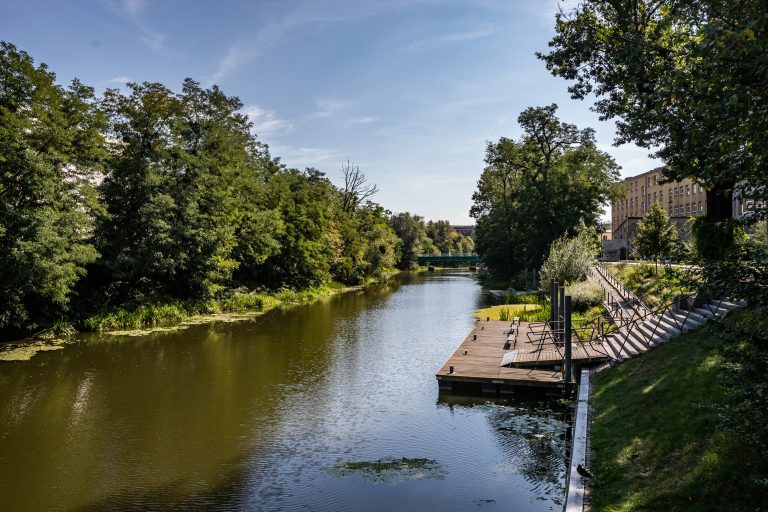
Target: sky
[[409, 90]]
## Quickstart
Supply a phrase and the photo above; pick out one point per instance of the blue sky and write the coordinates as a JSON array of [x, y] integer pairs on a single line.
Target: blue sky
[[410, 90]]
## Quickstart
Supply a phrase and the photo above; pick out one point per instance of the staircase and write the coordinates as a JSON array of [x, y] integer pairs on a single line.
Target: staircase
[[640, 328]]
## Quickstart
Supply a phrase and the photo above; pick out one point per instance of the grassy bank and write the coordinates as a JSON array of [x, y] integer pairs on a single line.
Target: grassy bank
[[173, 313], [660, 436], [655, 288]]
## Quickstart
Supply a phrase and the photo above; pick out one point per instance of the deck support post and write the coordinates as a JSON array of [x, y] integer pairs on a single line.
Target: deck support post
[[567, 334], [561, 314], [552, 303]]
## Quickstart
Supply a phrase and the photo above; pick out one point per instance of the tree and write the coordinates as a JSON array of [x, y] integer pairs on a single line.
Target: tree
[[50, 151], [686, 77], [413, 236], [357, 189], [656, 236], [569, 257], [536, 189]]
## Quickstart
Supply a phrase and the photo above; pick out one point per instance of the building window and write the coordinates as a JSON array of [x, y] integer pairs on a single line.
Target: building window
[[676, 192], [676, 210], [687, 190], [661, 196], [688, 209], [701, 208], [670, 210], [654, 197]]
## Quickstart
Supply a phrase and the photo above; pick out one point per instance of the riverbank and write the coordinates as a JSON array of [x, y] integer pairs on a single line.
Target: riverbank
[[169, 316], [663, 435]]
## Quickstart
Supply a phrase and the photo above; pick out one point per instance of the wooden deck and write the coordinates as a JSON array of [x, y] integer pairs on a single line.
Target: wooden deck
[[478, 358]]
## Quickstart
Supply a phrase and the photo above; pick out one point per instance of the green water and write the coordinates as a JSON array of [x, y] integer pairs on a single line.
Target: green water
[[332, 406]]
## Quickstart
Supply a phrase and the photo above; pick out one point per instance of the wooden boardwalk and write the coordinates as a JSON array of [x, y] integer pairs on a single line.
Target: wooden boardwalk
[[478, 359]]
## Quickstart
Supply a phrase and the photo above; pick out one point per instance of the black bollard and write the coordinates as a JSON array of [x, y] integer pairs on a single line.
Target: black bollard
[[567, 334]]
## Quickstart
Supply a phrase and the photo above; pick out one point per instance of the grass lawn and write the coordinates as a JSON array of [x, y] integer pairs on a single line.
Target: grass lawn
[[526, 312], [656, 437]]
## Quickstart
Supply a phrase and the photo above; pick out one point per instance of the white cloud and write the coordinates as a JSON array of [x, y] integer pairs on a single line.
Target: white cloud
[[134, 7], [329, 107], [266, 122], [453, 38], [362, 120], [121, 79], [236, 55], [301, 157], [134, 11]]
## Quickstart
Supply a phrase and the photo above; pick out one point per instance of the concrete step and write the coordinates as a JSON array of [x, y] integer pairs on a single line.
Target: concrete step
[[697, 317], [690, 322], [628, 344], [637, 341], [612, 349], [655, 331], [669, 325], [677, 319], [621, 353], [717, 309], [730, 306], [705, 312]]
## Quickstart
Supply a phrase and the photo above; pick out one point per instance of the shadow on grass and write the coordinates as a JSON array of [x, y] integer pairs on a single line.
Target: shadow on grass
[[656, 441]]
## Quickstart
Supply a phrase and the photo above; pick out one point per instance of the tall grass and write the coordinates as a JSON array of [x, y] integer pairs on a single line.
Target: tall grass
[[174, 312]]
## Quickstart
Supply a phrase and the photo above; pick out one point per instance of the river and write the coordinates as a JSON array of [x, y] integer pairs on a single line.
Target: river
[[331, 406]]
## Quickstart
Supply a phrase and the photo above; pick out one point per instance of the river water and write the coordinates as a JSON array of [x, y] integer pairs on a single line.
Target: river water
[[327, 407]]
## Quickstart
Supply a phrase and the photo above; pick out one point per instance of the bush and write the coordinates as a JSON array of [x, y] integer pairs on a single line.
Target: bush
[[569, 259], [522, 298], [585, 295]]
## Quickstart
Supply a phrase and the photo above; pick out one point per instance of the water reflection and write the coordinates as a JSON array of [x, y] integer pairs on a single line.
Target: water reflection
[[256, 415]]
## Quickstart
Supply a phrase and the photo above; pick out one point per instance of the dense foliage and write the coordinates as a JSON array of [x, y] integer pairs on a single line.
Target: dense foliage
[[147, 197], [536, 189], [686, 77], [50, 147], [569, 257], [656, 236], [448, 240]]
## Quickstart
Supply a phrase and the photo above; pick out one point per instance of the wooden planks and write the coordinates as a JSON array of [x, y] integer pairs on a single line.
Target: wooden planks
[[479, 356]]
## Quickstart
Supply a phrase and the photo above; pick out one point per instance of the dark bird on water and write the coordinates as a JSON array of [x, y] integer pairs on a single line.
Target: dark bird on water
[[584, 472]]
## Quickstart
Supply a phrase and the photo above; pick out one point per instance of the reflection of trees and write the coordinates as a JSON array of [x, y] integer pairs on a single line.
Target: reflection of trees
[[533, 436]]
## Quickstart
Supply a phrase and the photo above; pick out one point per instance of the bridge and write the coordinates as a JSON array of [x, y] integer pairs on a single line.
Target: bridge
[[448, 257]]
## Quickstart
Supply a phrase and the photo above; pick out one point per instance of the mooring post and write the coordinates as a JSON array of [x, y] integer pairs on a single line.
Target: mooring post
[[552, 303], [568, 355], [561, 314]]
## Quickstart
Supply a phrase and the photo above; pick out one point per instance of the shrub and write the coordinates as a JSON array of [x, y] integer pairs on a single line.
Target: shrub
[[585, 295], [569, 258]]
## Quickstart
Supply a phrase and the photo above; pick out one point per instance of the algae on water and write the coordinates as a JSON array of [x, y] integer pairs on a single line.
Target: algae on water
[[391, 470]]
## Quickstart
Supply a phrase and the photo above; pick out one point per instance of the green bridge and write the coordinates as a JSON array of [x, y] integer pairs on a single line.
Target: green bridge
[[425, 259]]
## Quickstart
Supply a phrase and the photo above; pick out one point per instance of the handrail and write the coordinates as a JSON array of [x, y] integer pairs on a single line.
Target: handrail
[[619, 285]]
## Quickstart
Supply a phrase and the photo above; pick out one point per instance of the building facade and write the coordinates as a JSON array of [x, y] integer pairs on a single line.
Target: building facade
[[682, 200]]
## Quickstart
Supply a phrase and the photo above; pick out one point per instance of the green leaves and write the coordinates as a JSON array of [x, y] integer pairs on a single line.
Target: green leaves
[[536, 189], [49, 146], [656, 236]]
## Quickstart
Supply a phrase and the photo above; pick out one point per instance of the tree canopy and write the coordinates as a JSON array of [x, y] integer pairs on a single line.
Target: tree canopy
[[51, 146], [656, 236], [148, 195], [685, 77], [537, 188]]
